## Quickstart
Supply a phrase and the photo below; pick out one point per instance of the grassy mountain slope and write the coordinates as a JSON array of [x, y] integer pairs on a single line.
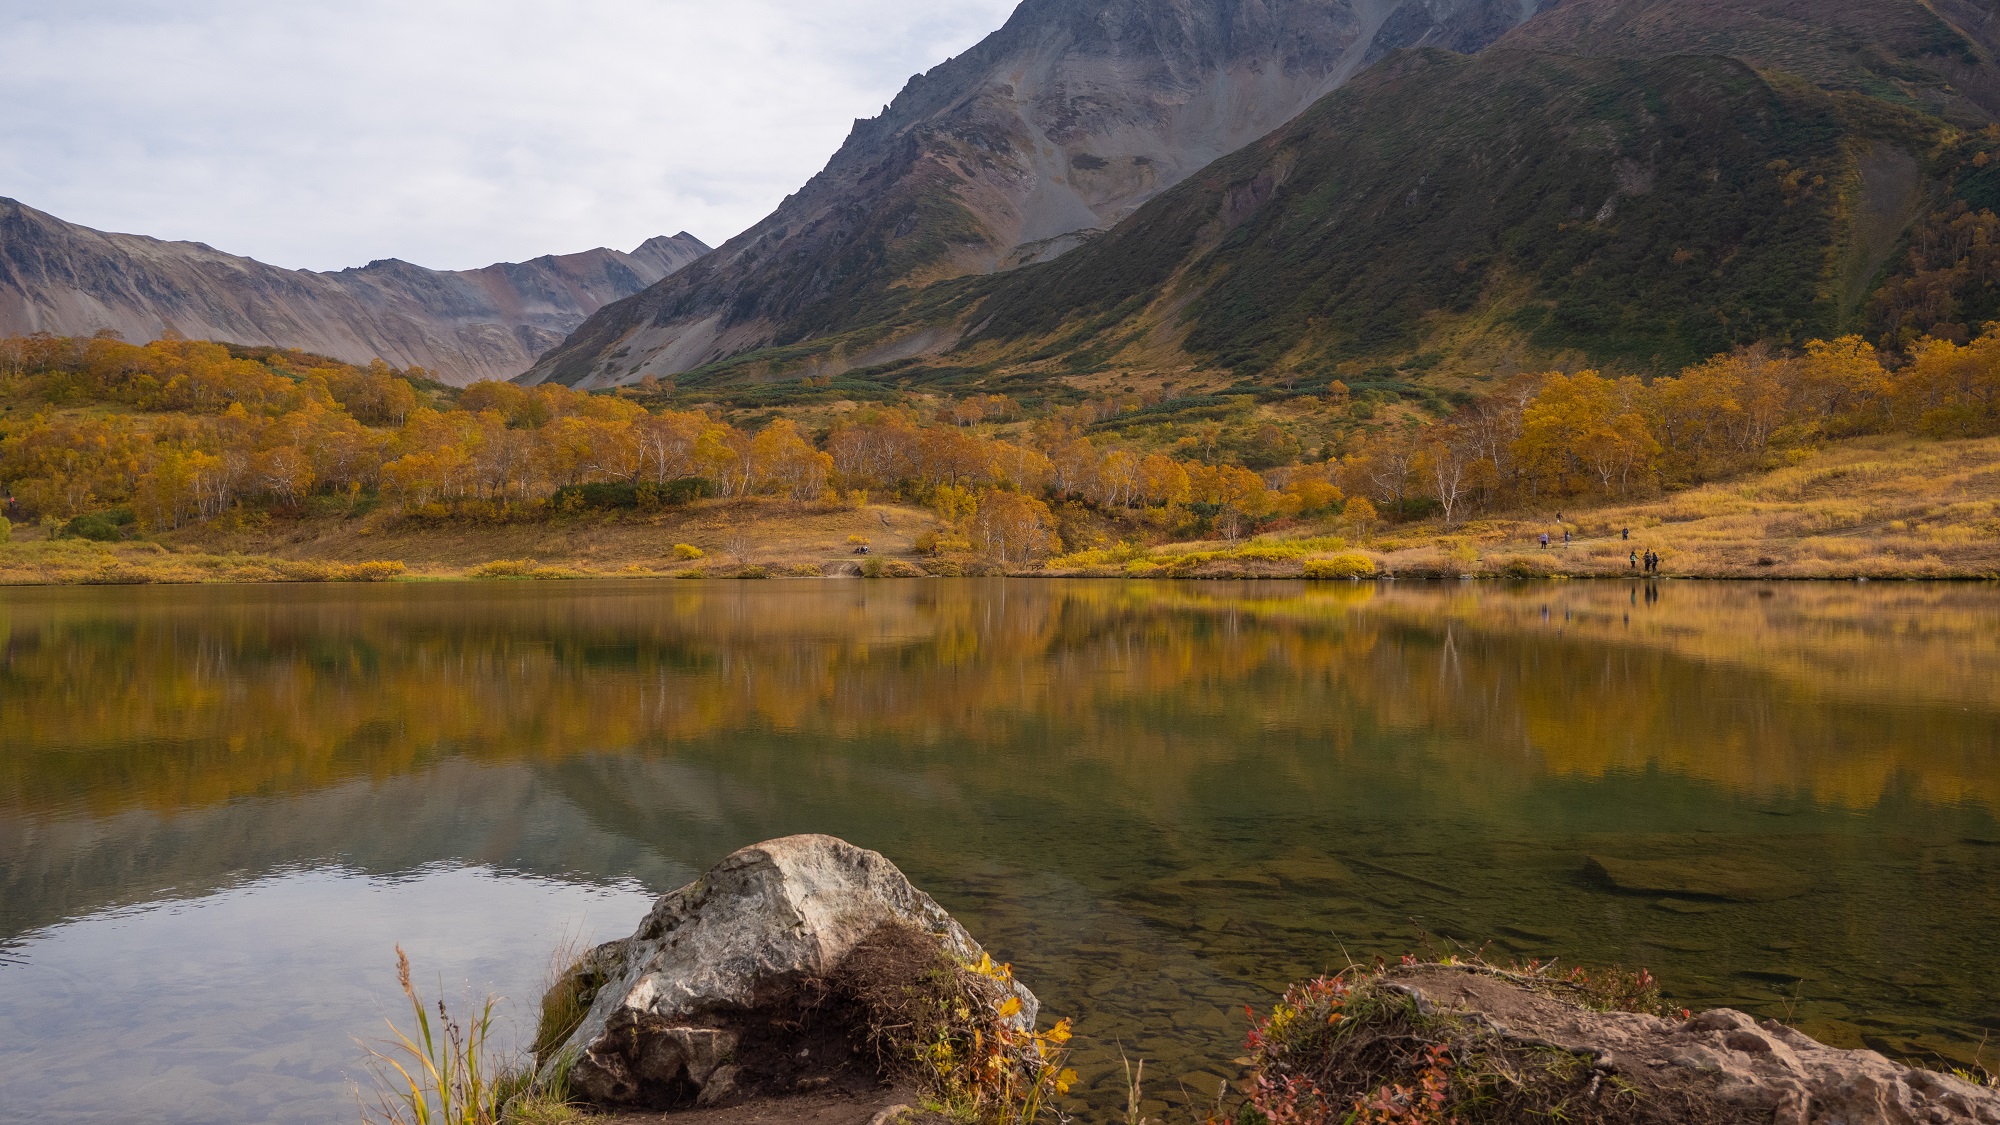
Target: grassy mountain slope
[[1051, 130], [1626, 183], [1645, 213]]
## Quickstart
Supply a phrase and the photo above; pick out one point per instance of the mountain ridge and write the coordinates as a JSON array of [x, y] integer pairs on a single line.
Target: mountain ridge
[[1403, 220], [465, 325], [1052, 129]]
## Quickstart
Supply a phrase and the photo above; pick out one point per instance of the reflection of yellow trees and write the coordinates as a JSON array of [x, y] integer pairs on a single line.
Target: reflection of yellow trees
[[190, 698], [1845, 692]]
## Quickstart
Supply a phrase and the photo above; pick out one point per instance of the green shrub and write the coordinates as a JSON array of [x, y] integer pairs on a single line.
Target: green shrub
[[611, 495], [100, 527], [1350, 565], [6, 530]]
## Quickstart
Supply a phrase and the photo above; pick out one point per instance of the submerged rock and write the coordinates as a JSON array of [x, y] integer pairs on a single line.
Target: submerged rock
[[1730, 878], [762, 976]]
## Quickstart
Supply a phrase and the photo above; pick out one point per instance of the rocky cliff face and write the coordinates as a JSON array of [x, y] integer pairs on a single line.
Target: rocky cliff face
[[1051, 130], [487, 323]]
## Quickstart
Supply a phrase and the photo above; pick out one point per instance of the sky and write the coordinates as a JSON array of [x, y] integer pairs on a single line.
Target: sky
[[320, 134]]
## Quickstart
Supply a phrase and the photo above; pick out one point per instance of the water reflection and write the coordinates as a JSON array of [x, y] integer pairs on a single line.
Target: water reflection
[[1160, 800]]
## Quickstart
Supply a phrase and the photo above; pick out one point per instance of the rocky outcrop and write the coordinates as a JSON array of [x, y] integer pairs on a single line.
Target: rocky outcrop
[[757, 978], [467, 325], [1718, 1066], [1054, 127]]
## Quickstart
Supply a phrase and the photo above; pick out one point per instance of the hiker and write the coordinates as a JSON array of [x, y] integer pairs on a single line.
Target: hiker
[[1545, 540], [1632, 563], [1565, 537], [1624, 533]]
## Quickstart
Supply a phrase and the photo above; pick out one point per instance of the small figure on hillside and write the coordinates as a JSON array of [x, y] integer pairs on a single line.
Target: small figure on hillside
[[1545, 540], [1624, 533], [1632, 563], [1565, 537], [861, 550], [1559, 517]]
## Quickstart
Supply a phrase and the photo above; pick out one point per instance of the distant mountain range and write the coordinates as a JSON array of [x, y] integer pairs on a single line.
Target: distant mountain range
[[465, 325]]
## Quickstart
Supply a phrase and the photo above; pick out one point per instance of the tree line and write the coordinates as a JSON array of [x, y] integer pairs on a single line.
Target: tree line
[[179, 432], [1557, 436]]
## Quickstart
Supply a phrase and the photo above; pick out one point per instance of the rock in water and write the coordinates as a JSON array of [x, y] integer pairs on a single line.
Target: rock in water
[[1728, 878], [755, 978]]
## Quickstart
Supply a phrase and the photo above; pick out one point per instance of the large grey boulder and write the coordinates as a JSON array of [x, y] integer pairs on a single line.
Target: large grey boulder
[[723, 988]]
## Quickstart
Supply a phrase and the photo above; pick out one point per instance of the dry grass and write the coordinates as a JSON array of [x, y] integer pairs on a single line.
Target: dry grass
[[77, 562], [1868, 508], [784, 539]]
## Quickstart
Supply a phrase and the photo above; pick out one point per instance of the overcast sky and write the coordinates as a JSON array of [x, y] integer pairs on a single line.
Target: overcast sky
[[451, 133]]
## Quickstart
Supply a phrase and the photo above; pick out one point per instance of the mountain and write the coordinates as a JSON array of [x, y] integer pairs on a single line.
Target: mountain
[[1035, 141], [465, 325], [1625, 183]]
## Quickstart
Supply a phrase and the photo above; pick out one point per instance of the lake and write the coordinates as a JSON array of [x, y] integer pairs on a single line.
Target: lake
[[224, 806]]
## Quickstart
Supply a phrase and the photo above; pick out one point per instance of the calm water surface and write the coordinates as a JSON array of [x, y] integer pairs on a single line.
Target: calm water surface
[[224, 806]]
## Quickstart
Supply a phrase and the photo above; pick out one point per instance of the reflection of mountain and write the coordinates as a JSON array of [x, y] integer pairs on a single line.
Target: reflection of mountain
[[513, 818], [1148, 875]]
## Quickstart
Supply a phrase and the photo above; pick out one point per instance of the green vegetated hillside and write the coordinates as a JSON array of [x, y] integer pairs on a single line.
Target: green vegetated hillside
[[1644, 213], [1629, 185]]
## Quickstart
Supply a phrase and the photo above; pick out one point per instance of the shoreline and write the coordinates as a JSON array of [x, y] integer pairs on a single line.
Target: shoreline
[[110, 567]]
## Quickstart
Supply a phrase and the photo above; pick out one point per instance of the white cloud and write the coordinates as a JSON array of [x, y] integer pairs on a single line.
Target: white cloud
[[451, 133]]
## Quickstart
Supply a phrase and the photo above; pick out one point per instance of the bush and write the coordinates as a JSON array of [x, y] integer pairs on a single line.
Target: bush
[[518, 568], [378, 570], [612, 495], [1523, 567], [1350, 565], [686, 490], [101, 527], [688, 552]]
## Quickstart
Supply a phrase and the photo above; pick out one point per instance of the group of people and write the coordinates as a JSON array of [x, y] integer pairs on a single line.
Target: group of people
[[1650, 560]]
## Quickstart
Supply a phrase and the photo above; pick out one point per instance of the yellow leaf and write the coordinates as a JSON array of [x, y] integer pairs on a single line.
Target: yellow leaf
[[1010, 1007]]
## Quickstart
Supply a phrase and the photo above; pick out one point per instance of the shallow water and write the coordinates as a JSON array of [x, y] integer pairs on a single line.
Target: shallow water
[[224, 806]]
